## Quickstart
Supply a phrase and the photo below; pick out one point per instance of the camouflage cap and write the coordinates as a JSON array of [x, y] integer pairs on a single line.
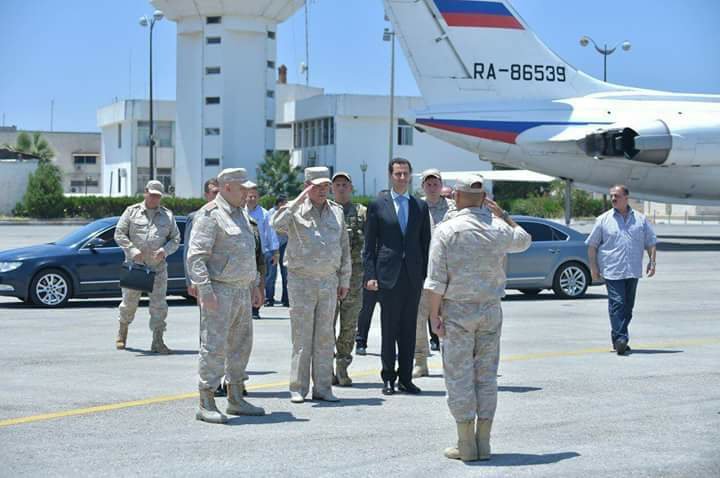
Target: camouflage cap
[[431, 173], [469, 183], [317, 175], [155, 187], [234, 175], [342, 174]]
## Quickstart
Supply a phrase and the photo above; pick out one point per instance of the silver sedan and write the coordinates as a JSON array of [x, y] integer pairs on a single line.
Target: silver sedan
[[557, 260]]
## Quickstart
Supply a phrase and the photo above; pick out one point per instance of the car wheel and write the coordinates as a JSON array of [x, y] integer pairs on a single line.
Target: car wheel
[[571, 280], [531, 291], [50, 288]]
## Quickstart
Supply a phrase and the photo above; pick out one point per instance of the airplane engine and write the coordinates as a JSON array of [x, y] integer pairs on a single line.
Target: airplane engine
[[658, 142]]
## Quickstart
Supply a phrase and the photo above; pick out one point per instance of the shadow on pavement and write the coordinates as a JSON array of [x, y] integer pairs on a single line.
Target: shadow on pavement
[[524, 459], [147, 353], [349, 402], [258, 394], [511, 389], [93, 304], [687, 247], [654, 351], [274, 417], [548, 296]]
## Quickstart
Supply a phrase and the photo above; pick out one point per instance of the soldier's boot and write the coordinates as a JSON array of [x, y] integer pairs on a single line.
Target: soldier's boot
[[237, 405], [466, 449], [421, 368], [208, 411], [341, 373], [482, 438], [158, 346], [121, 339]]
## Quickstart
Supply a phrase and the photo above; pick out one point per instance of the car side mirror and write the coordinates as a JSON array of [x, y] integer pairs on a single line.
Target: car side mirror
[[95, 242]]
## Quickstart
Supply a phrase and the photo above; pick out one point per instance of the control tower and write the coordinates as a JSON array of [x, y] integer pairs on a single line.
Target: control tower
[[225, 96]]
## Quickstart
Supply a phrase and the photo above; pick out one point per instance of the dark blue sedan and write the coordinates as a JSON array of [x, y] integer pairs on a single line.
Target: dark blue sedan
[[84, 264]]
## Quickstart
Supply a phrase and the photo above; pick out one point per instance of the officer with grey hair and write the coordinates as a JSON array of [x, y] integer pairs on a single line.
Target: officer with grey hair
[[438, 206], [221, 264], [319, 269], [466, 275], [148, 234]]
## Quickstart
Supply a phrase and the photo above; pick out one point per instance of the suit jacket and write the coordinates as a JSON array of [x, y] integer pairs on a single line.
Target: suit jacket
[[386, 248]]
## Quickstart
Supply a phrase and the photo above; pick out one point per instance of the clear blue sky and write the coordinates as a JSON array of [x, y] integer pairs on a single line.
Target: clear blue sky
[[84, 54]]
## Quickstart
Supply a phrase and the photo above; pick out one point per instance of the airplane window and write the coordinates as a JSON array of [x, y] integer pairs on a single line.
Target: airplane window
[[538, 232]]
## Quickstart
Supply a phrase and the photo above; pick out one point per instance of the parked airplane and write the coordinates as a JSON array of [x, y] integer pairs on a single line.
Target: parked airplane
[[492, 87]]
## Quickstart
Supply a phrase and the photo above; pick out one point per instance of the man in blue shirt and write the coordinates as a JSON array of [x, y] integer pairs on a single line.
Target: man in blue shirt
[[271, 269], [268, 238], [615, 250]]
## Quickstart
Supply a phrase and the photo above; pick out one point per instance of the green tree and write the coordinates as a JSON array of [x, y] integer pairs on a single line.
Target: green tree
[[44, 195], [35, 145], [276, 176]]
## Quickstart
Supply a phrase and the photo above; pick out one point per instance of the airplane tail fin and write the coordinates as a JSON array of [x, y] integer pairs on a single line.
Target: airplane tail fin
[[468, 50]]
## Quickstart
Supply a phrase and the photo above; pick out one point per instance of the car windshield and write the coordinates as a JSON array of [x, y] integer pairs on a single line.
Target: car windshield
[[81, 234]]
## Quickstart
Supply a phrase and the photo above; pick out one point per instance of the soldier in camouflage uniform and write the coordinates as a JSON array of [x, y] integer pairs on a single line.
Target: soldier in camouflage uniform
[[438, 206], [147, 234], [319, 269], [222, 267], [466, 275], [348, 309]]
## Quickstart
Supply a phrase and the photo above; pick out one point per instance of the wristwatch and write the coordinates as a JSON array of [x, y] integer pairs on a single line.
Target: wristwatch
[[505, 216]]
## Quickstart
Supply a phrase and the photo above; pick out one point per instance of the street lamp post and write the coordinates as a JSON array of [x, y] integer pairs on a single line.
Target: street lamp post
[[363, 168], [144, 22], [389, 35], [604, 51]]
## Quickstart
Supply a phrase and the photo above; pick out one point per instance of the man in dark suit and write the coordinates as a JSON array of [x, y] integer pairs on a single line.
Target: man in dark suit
[[397, 240]]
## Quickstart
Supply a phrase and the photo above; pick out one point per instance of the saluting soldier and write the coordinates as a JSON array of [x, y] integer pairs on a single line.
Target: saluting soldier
[[438, 206], [222, 266], [319, 269], [466, 275], [148, 234], [348, 309]]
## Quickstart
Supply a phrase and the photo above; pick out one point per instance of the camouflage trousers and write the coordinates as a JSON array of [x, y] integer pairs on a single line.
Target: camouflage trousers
[[471, 352], [422, 347], [347, 312], [158, 302], [226, 337], [312, 311]]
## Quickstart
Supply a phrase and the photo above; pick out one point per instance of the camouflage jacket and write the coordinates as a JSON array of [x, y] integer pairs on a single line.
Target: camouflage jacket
[[467, 256], [355, 219], [143, 230], [439, 210]]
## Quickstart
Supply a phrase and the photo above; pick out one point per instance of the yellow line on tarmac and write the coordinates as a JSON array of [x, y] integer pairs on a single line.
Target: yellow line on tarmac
[[366, 373]]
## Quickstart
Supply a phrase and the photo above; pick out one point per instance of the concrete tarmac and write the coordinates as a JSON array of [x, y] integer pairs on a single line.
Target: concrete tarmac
[[71, 404]]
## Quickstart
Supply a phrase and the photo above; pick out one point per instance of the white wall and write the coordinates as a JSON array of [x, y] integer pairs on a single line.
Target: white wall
[[14, 176]]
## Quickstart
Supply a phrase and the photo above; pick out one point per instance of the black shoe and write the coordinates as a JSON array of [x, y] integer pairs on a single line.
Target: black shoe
[[221, 391], [360, 350], [409, 387], [256, 317], [388, 388], [621, 345], [434, 346], [286, 304], [269, 303]]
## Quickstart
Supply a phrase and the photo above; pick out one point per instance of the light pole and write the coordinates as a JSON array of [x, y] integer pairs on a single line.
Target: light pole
[[144, 22], [363, 168], [389, 35], [604, 51]]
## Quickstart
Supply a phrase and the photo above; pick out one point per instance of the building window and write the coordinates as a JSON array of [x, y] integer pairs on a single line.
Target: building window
[[90, 182], [84, 159], [270, 94], [143, 176], [213, 40], [320, 132], [404, 133], [212, 131], [213, 20], [212, 70], [209, 162], [163, 134], [119, 134], [271, 35], [212, 100], [143, 133], [271, 64], [270, 123]]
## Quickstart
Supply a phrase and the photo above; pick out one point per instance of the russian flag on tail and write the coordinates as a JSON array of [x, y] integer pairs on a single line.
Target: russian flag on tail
[[470, 13]]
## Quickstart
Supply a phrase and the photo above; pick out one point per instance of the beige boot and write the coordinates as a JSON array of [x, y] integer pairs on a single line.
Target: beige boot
[[343, 379], [466, 449], [421, 368], [121, 339], [237, 405], [207, 411], [158, 346], [482, 437]]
